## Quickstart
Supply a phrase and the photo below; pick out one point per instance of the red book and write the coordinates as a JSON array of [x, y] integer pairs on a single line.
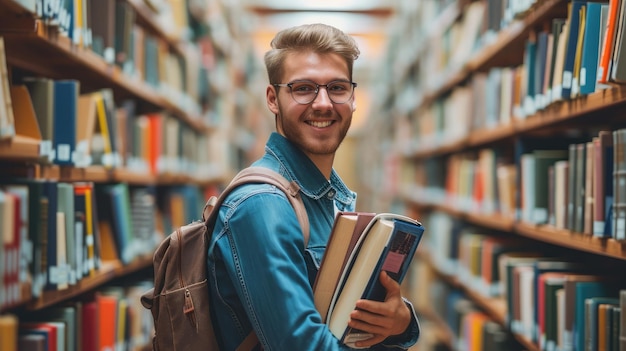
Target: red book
[[89, 326]]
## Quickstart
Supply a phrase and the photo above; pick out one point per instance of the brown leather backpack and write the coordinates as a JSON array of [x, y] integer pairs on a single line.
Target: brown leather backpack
[[179, 301]]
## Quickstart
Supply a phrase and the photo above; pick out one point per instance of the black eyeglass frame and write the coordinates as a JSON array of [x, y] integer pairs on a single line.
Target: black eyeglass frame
[[317, 89]]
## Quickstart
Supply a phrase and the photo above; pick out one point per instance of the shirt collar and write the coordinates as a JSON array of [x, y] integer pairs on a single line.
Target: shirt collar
[[300, 168]]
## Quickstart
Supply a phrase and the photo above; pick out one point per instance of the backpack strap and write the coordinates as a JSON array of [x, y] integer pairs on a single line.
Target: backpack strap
[[262, 175], [259, 175]]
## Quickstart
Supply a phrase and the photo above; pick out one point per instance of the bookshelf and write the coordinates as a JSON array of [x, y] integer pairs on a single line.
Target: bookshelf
[[446, 152], [156, 116]]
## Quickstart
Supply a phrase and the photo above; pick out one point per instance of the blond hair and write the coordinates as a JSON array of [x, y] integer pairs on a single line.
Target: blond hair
[[318, 38]]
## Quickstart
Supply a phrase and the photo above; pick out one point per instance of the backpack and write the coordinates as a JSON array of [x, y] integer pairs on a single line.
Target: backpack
[[179, 301]]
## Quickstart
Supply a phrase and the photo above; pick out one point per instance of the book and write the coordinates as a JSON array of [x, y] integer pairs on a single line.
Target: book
[[41, 91], [7, 119], [8, 332], [603, 182], [617, 67], [591, 322], [590, 53], [32, 342], [574, 21], [387, 244], [609, 39], [347, 229], [64, 125]]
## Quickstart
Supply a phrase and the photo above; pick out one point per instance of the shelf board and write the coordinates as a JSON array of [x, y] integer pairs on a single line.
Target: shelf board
[[109, 271], [578, 241], [561, 112], [493, 221], [494, 307], [19, 147], [545, 233]]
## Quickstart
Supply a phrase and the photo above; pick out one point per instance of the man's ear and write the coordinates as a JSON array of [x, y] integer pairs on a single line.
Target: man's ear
[[272, 99], [353, 104]]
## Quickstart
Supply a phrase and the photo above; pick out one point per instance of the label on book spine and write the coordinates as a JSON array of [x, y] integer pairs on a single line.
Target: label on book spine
[[393, 262]]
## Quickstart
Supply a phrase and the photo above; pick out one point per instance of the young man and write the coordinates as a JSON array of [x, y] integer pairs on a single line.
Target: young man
[[261, 274]]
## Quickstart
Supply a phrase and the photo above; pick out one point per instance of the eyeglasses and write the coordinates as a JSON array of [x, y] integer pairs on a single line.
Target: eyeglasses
[[305, 91]]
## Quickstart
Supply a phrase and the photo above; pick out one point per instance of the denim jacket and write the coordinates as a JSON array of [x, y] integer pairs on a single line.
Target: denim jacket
[[261, 275]]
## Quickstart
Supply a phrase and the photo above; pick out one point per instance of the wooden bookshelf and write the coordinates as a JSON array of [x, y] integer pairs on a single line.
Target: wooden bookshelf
[[110, 270], [495, 308], [580, 116], [39, 48]]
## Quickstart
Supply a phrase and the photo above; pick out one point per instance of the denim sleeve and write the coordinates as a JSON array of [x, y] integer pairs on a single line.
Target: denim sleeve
[[267, 246]]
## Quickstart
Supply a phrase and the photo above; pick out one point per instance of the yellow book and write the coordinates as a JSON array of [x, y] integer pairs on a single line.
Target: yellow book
[[579, 52], [120, 337], [103, 126], [8, 332]]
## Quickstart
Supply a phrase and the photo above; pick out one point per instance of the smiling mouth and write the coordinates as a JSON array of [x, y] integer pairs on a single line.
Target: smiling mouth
[[320, 124]]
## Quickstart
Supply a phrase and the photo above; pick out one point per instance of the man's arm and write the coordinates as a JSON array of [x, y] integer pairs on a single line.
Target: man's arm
[[268, 267]]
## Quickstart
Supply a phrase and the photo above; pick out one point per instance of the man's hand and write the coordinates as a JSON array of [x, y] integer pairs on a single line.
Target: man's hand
[[383, 319]]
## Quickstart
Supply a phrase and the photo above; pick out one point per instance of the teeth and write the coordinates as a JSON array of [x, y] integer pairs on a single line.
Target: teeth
[[320, 124]]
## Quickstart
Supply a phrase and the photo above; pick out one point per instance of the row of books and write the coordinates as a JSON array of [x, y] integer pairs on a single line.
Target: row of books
[[475, 330], [568, 58], [55, 234], [111, 29], [111, 318], [83, 129], [528, 280], [567, 182]]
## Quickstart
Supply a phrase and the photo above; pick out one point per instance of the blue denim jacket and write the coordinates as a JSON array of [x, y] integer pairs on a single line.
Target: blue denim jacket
[[260, 273]]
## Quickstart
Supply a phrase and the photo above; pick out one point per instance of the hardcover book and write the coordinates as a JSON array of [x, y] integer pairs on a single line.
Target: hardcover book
[[388, 243]]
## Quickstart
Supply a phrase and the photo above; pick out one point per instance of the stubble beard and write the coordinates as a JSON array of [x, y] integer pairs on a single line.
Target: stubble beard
[[294, 133]]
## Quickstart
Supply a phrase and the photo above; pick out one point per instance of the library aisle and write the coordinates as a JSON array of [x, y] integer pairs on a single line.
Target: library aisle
[[498, 124]]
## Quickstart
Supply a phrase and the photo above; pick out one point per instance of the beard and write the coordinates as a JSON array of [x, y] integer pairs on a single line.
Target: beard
[[318, 144]]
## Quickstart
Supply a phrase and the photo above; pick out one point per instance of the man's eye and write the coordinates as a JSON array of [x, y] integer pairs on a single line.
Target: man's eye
[[304, 88], [337, 88]]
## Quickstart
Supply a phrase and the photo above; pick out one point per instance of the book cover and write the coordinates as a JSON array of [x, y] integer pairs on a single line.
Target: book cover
[[32, 342], [591, 322], [64, 125], [571, 48], [388, 243], [609, 40], [589, 64], [7, 119], [617, 66], [603, 181], [41, 91], [347, 229]]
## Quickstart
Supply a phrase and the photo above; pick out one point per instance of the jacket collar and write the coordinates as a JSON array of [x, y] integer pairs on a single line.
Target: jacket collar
[[297, 166]]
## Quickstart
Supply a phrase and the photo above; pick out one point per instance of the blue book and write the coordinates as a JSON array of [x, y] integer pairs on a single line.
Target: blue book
[[570, 51], [590, 54], [64, 125], [387, 244]]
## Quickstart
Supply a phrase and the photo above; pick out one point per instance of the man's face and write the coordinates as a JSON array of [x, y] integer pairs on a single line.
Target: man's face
[[319, 127]]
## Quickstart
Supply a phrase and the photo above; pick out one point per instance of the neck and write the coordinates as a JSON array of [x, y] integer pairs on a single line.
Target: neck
[[324, 163]]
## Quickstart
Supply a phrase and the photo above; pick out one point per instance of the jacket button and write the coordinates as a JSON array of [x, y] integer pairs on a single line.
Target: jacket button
[[330, 194]]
